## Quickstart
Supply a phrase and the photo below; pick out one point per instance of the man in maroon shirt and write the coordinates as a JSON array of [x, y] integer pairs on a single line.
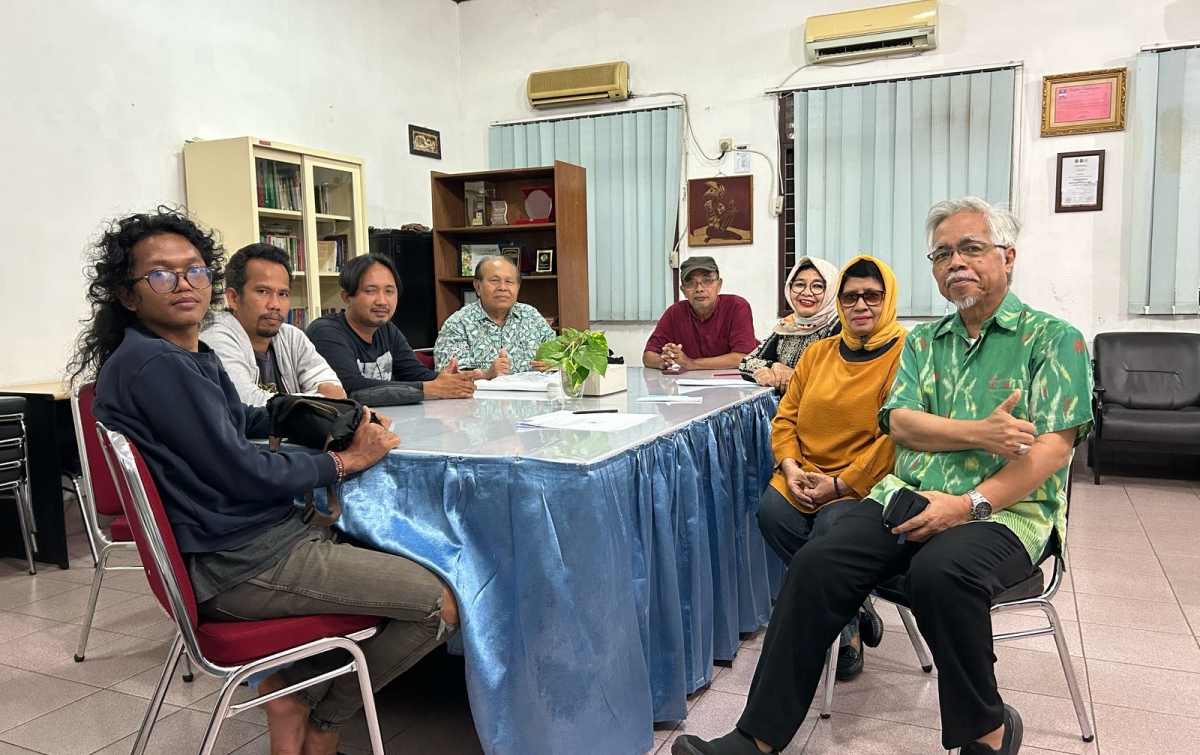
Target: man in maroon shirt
[[708, 331]]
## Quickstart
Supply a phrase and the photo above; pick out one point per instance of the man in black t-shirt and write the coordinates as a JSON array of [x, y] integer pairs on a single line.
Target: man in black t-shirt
[[364, 346]]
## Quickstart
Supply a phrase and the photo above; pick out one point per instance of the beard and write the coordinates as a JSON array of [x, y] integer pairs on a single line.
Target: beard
[[966, 302]]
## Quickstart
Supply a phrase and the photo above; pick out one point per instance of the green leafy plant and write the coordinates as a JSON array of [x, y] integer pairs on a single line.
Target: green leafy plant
[[576, 354]]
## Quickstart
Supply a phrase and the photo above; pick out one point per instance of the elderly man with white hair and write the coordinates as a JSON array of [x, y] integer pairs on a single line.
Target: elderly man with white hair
[[986, 407]]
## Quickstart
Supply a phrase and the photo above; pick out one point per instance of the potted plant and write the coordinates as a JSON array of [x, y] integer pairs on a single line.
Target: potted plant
[[576, 354]]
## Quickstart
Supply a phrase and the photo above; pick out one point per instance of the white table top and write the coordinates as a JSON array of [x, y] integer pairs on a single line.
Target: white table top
[[487, 425]]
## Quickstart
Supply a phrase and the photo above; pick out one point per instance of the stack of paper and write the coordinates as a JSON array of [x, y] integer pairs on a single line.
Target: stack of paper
[[714, 382], [522, 381], [567, 420]]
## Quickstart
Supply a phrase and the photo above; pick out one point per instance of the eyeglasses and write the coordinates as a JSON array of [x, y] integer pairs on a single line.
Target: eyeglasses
[[166, 281], [972, 250], [799, 287], [873, 298], [694, 283]]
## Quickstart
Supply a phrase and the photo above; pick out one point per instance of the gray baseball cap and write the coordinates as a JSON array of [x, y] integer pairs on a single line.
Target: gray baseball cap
[[697, 263]]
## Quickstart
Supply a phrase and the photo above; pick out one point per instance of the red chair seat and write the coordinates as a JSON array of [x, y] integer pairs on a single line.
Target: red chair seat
[[119, 530], [233, 643]]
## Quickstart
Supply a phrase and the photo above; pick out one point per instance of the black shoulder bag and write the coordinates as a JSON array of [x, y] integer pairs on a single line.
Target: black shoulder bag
[[315, 422]]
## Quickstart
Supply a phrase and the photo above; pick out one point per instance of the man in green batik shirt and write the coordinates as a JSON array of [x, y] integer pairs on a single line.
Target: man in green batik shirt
[[495, 334], [986, 408]]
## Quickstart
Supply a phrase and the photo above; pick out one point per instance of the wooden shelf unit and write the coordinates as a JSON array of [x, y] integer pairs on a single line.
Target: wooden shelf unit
[[562, 295], [225, 192]]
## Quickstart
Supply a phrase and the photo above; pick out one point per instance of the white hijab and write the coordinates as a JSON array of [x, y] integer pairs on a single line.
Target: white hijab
[[794, 324]]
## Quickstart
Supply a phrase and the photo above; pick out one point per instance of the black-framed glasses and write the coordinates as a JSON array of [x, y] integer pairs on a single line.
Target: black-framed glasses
[[971, 250], [694, 283], [816, 287], [873, 298], [164, 281]]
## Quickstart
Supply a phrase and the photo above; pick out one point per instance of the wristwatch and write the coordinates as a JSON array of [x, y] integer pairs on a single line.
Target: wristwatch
[[981, 508]]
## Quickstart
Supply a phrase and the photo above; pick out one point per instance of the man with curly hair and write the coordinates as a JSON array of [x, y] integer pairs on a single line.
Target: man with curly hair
[[230, 501]]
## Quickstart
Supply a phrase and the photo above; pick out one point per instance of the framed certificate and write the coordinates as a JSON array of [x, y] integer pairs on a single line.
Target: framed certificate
[[1083, 103], [1080, 183]]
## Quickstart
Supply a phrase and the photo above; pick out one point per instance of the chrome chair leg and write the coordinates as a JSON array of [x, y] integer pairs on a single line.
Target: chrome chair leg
[[1064, 657], [89, 527], [368, 698], [914, 636], [24, 515], [188, 674], [830, 676], [160, 693], [97, 578]]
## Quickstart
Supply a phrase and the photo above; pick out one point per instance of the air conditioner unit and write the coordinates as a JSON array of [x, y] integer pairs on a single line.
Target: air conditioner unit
[[572, 86], [886, 30]]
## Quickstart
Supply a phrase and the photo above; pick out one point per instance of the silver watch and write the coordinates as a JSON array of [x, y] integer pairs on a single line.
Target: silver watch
[[981, 508]]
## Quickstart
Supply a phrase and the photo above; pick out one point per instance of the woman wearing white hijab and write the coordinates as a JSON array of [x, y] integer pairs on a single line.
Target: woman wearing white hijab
[[814, 316]]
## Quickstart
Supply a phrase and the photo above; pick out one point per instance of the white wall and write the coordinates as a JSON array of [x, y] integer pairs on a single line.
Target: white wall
[[98, 97], [724, 55]]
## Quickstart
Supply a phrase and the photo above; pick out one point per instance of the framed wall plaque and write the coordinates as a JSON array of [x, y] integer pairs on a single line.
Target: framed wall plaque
[[425, 142], [1079, 186], [1083, 103], [720, 211]]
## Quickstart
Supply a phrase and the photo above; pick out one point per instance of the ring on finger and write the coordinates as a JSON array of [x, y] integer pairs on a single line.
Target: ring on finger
[[1022, 449]]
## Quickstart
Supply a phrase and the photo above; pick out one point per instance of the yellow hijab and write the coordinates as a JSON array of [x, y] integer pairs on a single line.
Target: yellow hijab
[[886, 327]]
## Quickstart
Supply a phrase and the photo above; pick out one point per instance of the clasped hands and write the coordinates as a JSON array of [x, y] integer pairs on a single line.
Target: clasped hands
[[672, 354], [502, 365], [810, 489], [776, 376]]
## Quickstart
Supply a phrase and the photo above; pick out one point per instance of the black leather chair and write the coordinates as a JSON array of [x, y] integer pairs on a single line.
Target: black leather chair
[[14, 469], [1147, 395]]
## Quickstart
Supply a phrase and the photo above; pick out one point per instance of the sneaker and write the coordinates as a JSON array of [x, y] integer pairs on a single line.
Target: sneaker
[[735, 742], [1011, 743], [870, 626], [849, 663]]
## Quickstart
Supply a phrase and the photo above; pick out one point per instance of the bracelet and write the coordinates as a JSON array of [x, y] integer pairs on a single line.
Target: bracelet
[[837, 486], [339, 465]]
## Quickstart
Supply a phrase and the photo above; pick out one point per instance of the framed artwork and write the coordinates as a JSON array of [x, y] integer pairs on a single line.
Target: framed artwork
[[544, 262], [1079, 186], [720, 211], [1083, 103], [425, 142]]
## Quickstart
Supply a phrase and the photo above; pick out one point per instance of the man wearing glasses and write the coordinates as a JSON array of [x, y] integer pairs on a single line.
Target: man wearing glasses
[[985, 410], [707, 331]]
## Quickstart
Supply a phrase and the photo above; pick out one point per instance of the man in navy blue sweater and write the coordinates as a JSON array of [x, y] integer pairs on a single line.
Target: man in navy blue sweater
[[229, 501]]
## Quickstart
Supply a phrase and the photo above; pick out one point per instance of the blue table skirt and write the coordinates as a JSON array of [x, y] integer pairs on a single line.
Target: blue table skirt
[[594, 597]]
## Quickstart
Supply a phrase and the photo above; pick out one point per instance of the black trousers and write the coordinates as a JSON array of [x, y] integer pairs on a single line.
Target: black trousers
[[951, 579]]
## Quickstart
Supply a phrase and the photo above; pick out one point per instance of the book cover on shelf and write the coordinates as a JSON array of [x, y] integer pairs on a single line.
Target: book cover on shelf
[[473, 254], [341, 242], [328, 258]]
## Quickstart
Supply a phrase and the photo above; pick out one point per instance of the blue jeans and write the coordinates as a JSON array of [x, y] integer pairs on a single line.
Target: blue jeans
[[786, 529]]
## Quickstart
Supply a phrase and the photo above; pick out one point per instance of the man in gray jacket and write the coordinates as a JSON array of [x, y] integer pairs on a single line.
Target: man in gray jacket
[[263, 354]]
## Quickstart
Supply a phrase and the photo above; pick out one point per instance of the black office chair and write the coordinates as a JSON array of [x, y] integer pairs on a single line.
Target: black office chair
[[14, 469]]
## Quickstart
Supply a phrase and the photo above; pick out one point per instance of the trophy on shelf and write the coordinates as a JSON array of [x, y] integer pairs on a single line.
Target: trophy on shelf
[[539, 204], [476, 195], [499, 212]]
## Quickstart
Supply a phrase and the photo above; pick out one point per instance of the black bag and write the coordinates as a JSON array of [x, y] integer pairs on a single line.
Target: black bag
[[904, 505], [315, 422]]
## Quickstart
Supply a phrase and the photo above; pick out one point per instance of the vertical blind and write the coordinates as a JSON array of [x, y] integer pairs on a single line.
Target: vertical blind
[[872, 158], [633, 163], [1165, 220]]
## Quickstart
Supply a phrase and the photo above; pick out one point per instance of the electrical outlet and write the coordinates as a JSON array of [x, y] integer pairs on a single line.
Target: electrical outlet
[[726, 144], [778, 206]]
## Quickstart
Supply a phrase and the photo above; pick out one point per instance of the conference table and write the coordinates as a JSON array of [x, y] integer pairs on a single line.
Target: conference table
[[598, 574]]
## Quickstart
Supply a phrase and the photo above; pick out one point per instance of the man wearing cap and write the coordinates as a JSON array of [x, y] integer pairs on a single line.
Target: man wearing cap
[[708, 330]]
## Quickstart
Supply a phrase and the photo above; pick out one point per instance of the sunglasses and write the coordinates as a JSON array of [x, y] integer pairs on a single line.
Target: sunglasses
[[873, 298]]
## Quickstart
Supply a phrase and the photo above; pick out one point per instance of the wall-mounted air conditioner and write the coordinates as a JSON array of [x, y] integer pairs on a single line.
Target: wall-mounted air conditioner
[[572, 86], [886, 30]]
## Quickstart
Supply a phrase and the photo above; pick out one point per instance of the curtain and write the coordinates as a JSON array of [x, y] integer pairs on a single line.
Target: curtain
[[1165, 220], [872, 158], [633, 163]]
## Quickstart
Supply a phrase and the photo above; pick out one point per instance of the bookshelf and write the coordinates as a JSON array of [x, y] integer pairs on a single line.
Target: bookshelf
[[308, 202], [562, 294]]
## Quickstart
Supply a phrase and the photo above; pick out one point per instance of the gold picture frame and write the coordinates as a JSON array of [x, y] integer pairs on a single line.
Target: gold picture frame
[[1084, 103]]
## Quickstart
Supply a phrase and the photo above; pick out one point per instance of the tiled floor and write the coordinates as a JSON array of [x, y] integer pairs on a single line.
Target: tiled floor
[[1130, 607]]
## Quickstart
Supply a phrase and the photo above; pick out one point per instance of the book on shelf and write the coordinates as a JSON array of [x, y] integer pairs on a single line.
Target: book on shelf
[[321, 199], [298, 317], [335, 246], [278, 185], [473, 254], [286, 239]]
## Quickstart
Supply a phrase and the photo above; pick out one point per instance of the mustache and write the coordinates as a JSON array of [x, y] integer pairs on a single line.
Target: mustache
[[961, 275]]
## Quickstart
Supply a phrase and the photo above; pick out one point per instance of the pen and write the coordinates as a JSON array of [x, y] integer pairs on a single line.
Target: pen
[[727, 374], [596, 411]]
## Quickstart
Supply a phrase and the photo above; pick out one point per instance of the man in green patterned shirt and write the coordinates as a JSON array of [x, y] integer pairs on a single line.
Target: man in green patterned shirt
[[986, 408], [495, 334]]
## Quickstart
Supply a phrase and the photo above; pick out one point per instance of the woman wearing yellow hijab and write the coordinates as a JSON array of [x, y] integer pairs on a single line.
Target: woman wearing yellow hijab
[[829, 450]]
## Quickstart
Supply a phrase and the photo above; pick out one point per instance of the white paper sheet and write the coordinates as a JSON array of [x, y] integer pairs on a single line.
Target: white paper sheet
[[522, 381], [669, 399], [713, 382], [568, 420]]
